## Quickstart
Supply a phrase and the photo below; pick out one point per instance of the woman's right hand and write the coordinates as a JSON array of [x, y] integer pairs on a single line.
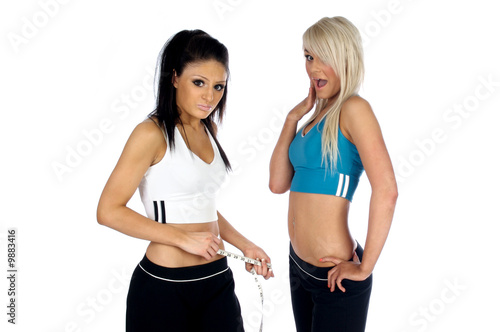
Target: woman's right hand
[[204, 244], [304, 106], [280, 168]]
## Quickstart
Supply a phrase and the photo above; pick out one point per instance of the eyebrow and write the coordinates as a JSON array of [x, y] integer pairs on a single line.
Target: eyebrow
[[224, 81], [306, 51]]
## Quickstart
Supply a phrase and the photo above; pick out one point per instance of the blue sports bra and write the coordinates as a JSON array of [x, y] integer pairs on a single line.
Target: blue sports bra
[[312, 177]]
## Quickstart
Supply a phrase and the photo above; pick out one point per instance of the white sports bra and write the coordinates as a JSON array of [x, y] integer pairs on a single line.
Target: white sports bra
[[181, 188]]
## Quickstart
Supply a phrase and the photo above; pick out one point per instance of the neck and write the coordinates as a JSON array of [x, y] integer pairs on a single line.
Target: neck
[[332, 100], [188, 121]]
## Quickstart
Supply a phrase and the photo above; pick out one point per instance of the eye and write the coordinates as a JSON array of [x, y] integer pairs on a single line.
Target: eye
[[309, 57], [219, 87], [198, 83]]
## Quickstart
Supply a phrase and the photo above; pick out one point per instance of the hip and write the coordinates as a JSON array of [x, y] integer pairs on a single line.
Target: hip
[[312, 277]]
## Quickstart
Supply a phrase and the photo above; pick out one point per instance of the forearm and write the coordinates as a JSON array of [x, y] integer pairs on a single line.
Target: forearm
[[382, 205], [281, 171], [129, 222]]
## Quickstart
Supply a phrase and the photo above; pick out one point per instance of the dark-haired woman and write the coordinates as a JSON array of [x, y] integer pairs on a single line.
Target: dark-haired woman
[[175, 160]]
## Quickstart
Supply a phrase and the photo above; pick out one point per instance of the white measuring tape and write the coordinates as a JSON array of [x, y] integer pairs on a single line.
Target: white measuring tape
[[242, 258], [254, 262]]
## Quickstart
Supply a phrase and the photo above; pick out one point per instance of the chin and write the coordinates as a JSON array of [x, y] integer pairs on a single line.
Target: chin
[[205, 115], [323, 96]]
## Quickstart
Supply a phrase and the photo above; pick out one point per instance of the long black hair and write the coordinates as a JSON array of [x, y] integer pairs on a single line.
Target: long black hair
[[182, 49]]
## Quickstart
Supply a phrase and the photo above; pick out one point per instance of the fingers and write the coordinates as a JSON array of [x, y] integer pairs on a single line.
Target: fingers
[[331, 259], [214, 246], [311, 94], [332, 277], [263, 267], [248, 267], [335, 279], [212, 251], [312, 91], [311, 97], [267, 272], [209, 253], [270, 272], [257, 268], [259, 255], [208, 245], [333, 273], [339, 285], [264, 270]]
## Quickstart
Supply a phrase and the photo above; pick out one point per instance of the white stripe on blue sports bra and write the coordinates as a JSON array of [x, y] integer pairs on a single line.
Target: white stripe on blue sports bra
[[182, 188]]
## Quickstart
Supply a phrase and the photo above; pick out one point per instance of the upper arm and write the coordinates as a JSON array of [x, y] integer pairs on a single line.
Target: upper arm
[[362, 127], [139, 153]]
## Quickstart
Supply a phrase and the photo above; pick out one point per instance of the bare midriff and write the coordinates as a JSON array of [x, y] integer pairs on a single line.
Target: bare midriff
[[171, 256], [317, 225]]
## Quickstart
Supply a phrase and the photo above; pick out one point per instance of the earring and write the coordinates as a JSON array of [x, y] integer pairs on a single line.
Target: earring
[[174, 75]]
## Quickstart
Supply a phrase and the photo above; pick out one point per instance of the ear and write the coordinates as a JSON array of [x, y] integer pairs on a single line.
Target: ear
[[175, 79]]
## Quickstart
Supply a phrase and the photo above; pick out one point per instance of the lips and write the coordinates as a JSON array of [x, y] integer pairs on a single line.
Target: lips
[[205, 108]]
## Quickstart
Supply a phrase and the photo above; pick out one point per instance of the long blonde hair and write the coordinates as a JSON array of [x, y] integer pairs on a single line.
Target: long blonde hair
[[337, 43]]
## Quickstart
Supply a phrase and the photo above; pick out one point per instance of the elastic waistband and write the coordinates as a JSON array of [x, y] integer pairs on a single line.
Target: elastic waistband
[[318, 273], [184, 274]]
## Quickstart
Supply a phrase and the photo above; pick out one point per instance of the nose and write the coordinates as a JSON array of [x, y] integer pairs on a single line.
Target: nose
[[208, 95], [315, 67], [312, 68]]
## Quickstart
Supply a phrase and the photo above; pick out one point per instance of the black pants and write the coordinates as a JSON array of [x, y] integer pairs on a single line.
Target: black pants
[[316, 309], [194, 298]]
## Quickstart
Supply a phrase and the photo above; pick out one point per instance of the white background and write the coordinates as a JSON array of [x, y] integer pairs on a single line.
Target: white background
[[67, 67]]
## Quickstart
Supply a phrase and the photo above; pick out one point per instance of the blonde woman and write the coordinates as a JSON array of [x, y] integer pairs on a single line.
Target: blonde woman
[[330, 274]]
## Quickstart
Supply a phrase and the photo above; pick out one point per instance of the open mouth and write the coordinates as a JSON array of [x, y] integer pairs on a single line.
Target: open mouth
[[320, 83]]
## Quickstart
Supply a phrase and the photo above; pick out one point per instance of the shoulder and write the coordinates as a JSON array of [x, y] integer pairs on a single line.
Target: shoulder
[[357, 117], [356, 106], [149, 131], [146, 140]]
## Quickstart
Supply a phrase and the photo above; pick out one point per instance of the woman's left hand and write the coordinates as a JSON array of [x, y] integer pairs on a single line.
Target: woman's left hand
[[344, 270], [259, 254]]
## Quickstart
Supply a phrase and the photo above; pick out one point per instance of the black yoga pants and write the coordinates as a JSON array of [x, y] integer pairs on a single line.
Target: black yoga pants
[[195, 298], [316, 309]]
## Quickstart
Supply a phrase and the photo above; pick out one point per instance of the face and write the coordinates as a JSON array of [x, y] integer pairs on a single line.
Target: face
[[326, 83], [199, 89]]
